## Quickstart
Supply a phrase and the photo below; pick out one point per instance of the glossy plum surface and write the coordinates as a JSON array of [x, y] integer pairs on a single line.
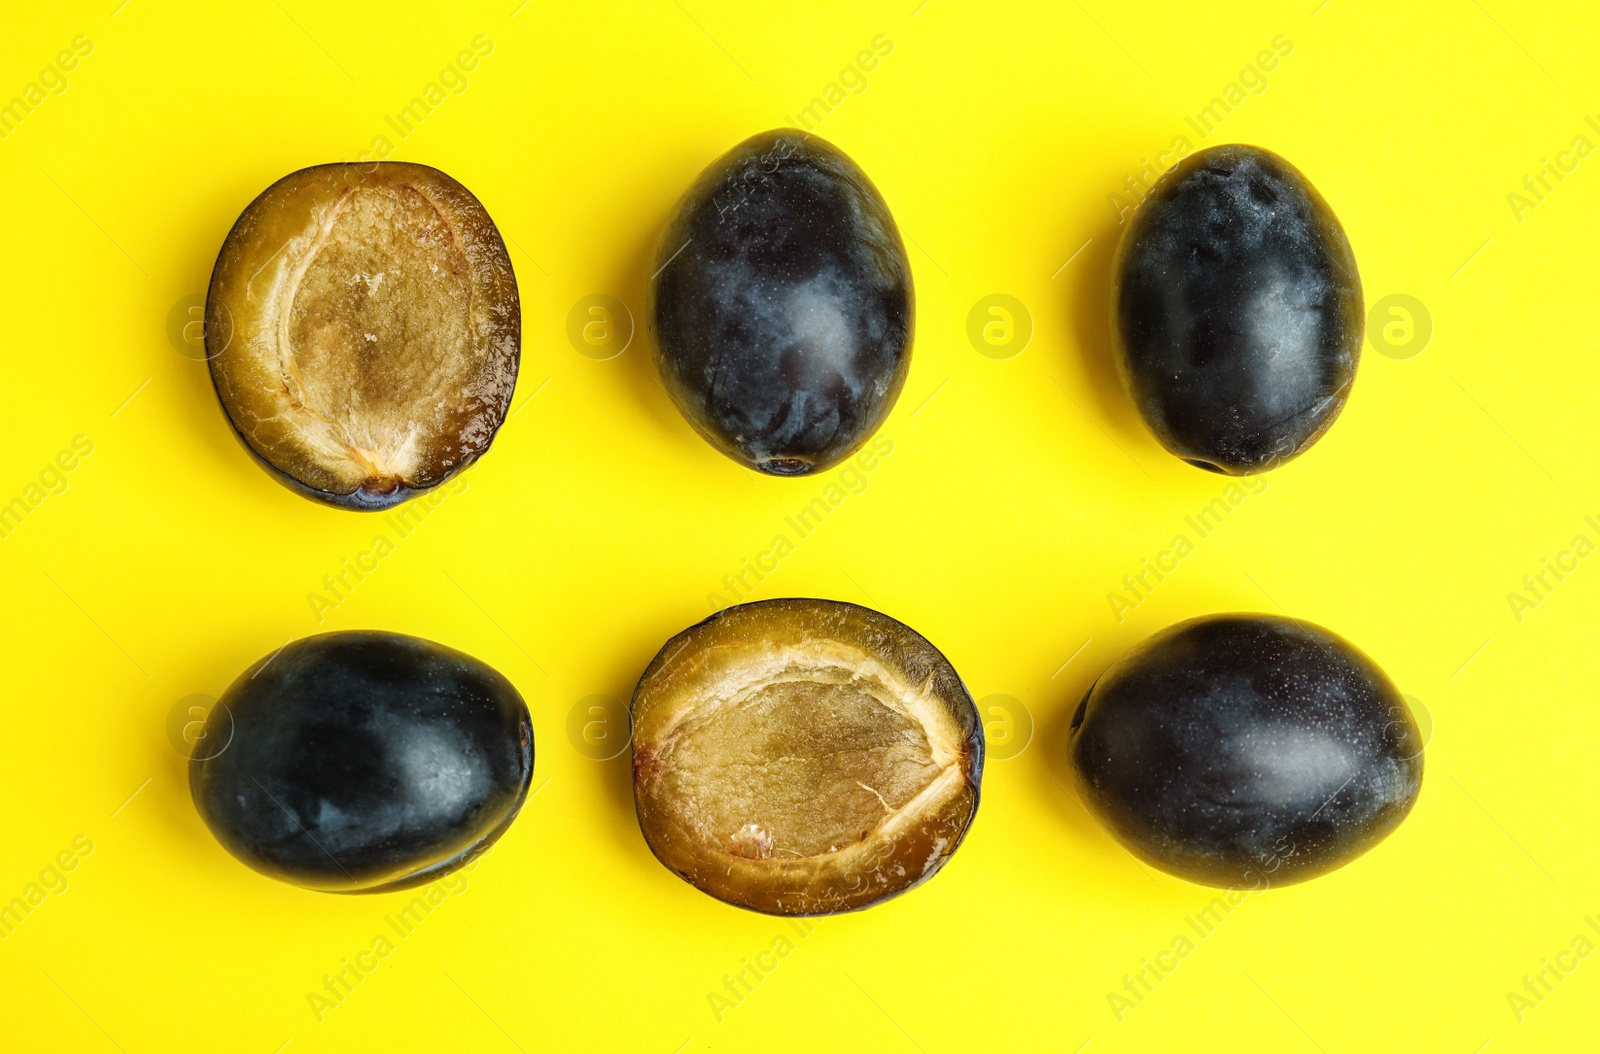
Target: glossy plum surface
[[804, 757], [1236, 311], [1246, 750], [359, 762], [781, 308]]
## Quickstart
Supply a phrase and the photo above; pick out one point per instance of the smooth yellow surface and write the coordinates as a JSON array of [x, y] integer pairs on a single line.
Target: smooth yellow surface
[[1019, 493]]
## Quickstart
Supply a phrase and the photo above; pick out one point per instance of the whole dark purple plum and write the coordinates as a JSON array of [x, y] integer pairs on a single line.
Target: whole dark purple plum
[[360, 762], [1236, 312], [1245, 751], [781, 308]]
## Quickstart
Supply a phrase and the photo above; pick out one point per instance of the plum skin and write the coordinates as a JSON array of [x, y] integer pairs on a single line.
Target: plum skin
[[359, 500], [1236, 311], [781, 307], [1246, 750], [363, 762]]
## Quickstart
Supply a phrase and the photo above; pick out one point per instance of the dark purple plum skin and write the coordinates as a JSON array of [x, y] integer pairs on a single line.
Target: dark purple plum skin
[[1236, 311], [781, 307], [359, 500], [363, 761], [1246, 751]]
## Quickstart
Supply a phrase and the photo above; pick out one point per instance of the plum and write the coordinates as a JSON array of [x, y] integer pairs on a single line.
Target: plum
[[1236, 315], [361, 762], [781, 309], [364, 331], [1246, 750], [804, 757]]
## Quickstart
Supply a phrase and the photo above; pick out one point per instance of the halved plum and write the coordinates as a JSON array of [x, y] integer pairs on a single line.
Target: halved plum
[[364, 331], [804, 757]]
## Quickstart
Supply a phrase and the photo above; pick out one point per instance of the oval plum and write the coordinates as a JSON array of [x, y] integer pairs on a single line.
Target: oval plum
[[781, 309], [1236, 311], [1245, 751], [360, 762]]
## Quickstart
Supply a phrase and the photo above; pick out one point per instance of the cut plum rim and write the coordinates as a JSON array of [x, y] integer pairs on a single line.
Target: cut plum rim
[[782, 766], [376, 332]]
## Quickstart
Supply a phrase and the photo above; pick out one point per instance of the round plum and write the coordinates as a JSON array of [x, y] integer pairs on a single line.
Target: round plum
[[361, 762], [1245, 751], [804, 757], [364, 331], [781, 308], [1236, 314]]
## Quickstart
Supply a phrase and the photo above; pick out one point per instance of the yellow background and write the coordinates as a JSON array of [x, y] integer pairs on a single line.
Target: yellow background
[[1019, 493]]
